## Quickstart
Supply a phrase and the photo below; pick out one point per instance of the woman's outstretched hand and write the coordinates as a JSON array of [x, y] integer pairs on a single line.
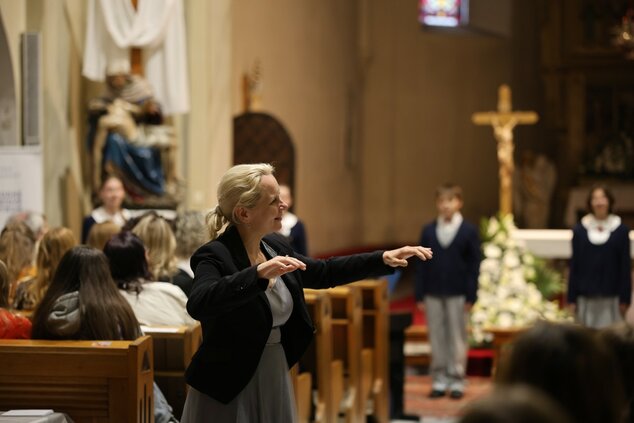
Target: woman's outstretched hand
[[398, 257], [278, 266]]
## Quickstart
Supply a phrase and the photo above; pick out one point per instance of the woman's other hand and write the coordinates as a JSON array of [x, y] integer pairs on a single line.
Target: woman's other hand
[[398, 257], [278, 266]]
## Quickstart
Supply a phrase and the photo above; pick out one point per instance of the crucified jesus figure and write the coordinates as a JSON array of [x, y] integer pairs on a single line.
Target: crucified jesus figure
[[503, 132], [503, 122]]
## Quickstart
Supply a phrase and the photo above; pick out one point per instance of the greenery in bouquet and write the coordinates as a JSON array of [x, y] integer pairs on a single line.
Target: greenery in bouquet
[[515, 287]]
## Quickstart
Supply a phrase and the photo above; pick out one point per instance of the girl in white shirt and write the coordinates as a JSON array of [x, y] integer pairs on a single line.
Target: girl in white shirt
[[154, 303]]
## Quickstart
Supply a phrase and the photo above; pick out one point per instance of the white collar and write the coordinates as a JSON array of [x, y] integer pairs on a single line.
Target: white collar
[[183, 264], [447, 231], [289, 220], [455, 221], [100, 214], [599, 230]]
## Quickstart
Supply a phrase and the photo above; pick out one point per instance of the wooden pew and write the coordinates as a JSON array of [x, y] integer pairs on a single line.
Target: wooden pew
[[347, 345], [303, 390], [318, 359], [91, 381], [417, 347], [174, 347], [375, 346]]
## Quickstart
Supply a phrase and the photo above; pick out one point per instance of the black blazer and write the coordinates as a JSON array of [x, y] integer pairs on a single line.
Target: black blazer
[[229, 300]]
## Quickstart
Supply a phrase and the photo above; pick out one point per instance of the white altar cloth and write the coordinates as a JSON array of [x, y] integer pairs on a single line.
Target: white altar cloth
[[551, 243]]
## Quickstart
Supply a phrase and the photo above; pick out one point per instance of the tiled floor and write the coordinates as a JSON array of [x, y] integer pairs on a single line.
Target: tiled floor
[[441, 409], [417, 386]]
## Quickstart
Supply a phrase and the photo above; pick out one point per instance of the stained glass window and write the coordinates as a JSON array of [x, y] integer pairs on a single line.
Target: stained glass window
[[448, 13]]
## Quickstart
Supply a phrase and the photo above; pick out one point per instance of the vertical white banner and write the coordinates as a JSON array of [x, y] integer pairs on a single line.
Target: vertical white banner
[[21, 181]]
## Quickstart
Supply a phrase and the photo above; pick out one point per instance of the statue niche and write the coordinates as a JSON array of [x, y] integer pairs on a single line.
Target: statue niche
[[128, 137]]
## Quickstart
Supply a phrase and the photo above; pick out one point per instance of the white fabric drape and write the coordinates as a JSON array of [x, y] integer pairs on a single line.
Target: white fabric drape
[[158, 28]]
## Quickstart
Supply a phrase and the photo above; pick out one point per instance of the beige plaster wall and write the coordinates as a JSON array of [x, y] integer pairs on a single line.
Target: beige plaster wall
[[308, 51], [378, 108], [14, 20], [206, 132], [48, 18], [421, 88]]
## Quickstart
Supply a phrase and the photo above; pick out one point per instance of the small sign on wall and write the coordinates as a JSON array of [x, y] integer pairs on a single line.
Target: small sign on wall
[[21, 181]]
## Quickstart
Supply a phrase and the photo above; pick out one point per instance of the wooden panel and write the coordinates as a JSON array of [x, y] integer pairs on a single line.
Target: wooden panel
[[303, 396], [261, 138], [89, 381], [347, 330], [174, 348], [367, 375], [318, 358], [376, 336]]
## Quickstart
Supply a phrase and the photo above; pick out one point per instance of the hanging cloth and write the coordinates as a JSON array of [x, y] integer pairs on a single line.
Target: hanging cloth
[[158, 28]]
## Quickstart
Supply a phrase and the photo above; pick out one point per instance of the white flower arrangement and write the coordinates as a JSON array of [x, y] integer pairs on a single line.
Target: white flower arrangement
[[513, 284]]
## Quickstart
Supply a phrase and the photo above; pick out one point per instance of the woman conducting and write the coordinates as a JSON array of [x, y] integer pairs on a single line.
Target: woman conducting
[[248, 296]]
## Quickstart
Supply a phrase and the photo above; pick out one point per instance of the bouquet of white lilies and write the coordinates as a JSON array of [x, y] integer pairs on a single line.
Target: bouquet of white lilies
[[514, 285]]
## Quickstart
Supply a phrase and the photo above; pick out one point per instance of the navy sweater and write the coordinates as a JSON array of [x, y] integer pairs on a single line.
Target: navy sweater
[[453, 270], [600, 270]]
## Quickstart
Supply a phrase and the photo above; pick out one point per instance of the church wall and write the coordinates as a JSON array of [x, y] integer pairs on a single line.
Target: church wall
[[49, 18], [14, 20], [420, 91], [379, 110], [206, 132], [59, 142], [308, 53]]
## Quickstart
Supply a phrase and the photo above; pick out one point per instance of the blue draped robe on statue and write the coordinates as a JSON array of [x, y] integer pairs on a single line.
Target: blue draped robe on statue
[[140, 167]]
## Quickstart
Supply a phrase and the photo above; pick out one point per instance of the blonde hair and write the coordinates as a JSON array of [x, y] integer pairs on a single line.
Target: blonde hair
[[100, 233], [159, 240], [238, 187], [17, 248], [54, 244]]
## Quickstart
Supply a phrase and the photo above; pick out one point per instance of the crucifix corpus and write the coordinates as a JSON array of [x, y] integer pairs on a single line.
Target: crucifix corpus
[[503, 121]]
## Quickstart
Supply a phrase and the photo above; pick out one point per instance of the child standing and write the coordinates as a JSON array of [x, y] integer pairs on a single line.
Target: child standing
[[446, 289], [600, 281]]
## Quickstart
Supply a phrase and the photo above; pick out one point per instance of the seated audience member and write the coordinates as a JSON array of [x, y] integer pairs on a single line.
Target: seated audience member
[[17, 248], [569, 364], [111, 195], [619, 338], [190, 232], [12, 326], [515, 404], [158, 239], [292, 227], [100, 233], [154, 303], [83, 302], [50, 250], [36, 222]]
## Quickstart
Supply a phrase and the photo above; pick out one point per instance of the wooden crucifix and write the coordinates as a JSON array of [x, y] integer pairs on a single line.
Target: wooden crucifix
[[136, 59], [503, 122]]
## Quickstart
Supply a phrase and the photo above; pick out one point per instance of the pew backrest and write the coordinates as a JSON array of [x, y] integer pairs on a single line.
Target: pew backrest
[[174, 347], [91, 381]]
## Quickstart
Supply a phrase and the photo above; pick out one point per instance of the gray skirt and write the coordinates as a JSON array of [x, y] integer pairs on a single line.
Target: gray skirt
[[267, 398], [598, 312]]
